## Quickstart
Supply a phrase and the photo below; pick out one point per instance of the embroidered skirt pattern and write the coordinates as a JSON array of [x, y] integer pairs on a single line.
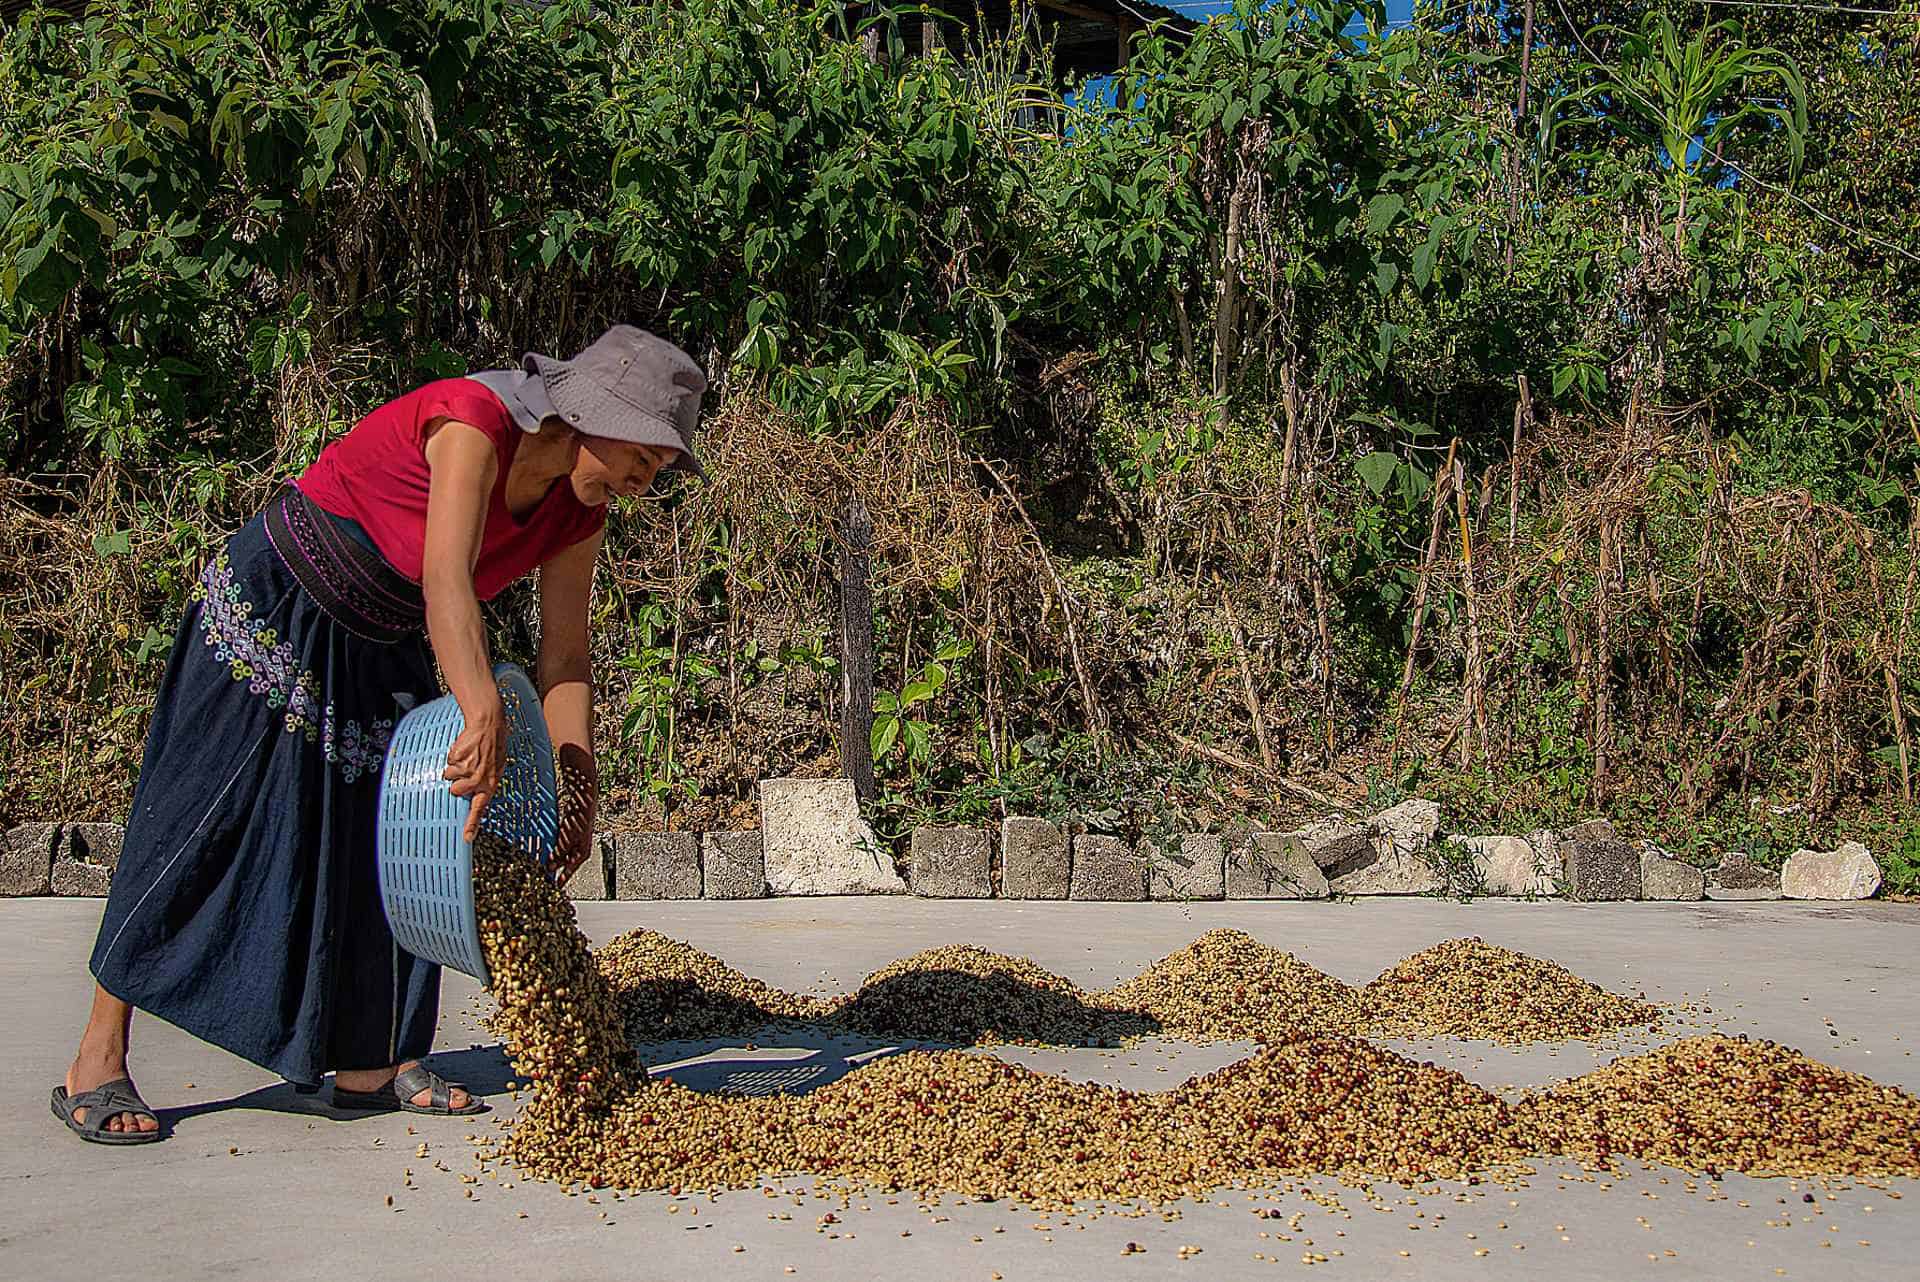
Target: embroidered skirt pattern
[[246, 905]]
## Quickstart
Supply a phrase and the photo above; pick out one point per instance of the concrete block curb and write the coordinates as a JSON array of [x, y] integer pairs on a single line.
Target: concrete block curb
[[1273, 865], [1194, 869], [591, 879], [733, 865], [1107, 870], [77, 880], [26, 859], [951, 863], [656, 865], [1035, 859]]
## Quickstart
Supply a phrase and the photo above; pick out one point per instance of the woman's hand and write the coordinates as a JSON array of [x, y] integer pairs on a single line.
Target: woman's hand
[[477, 758], [579, 799]]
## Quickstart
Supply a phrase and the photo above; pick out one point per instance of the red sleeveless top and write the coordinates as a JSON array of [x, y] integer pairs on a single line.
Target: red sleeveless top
[[377, 475]]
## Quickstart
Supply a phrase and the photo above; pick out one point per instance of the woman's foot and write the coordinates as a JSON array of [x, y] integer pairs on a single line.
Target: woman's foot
[[89, 1073], [102, 1058], [373, 1079]]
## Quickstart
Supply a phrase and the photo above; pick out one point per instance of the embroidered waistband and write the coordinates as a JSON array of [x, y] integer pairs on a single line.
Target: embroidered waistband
[[353, 583]]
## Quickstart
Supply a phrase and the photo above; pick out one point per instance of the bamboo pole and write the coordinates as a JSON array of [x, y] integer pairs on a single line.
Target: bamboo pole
[[1089, 704], [1473, 710], [1254, 709], [1290, 404], [1440, 484], [1320, 615], [1522, 412], [1237, 762], [1601, 684]]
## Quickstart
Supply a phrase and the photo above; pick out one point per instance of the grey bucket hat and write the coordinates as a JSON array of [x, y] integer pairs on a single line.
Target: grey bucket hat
[[628, 385]]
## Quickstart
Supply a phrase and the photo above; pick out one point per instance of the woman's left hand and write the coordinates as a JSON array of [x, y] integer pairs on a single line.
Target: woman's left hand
[[579, 800]]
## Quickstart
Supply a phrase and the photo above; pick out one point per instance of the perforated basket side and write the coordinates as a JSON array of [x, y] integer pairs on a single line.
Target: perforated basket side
[[426, 864], [525, 812], [426, 870]]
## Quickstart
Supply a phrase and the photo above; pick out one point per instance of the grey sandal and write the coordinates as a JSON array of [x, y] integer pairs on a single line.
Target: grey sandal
[[104, 1103], [397, 1096]]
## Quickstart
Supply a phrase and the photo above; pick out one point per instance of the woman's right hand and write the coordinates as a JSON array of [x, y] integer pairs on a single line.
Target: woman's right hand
[[477, 758]]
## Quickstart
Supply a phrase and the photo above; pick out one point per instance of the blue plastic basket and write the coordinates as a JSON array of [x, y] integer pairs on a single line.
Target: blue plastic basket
[[426, 865]]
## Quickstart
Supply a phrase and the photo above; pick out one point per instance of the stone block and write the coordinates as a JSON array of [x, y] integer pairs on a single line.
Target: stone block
[[1410, 826], [1195, 868], [1398, 857], [1738, 877], [1509, 866], [26, 859], [1273, 865], [952, 863], [1601, 864], [94, 843], [1331, 842], [817, 844], [591, 879], [80, 880], [1549, 858], [656, 865], [1846, 873], [1390, 872], [732, 865], [1664, 877], [1033, 859], [1107, 868]]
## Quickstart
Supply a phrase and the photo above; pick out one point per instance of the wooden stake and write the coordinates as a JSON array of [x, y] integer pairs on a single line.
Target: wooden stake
[[1519, 123], [1223, 315], [1899, 728], [856, 650], [986, 667]]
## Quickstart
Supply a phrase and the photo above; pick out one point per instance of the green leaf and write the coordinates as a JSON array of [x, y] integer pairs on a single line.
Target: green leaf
[[885, 731], [1382, 210], [1423, 265], [1376, 470], [118, 543], [155, 642]]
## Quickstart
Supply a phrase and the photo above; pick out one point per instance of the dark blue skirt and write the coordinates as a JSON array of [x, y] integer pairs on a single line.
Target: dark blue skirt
[[246, 905]]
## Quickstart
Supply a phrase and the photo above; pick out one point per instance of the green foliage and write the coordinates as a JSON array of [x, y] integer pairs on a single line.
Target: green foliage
[[228, 227], [1687, 99], [896, 723]]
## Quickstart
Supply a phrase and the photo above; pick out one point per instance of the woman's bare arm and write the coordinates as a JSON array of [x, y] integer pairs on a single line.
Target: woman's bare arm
[[566, 688], [463, 467]]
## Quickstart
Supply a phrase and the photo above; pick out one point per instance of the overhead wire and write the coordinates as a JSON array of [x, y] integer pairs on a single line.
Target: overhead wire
[[1811, 8]]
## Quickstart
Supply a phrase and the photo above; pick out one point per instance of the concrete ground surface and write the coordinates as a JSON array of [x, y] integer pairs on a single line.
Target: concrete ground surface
[[256, 1182]]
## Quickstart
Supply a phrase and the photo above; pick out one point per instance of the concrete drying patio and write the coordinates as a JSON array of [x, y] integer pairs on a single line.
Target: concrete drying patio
[[256, 1182]]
